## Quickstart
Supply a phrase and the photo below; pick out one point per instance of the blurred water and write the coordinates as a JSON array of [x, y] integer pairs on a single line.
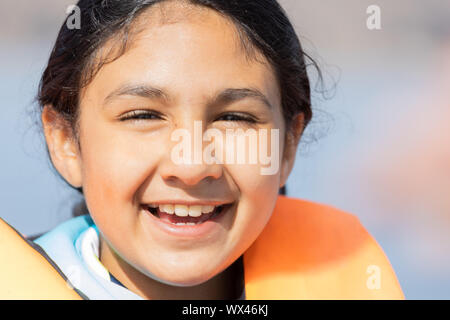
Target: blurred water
[[33, 198]]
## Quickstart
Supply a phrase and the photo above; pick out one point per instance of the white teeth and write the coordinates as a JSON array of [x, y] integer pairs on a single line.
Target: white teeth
[[184, 210], [207, 209], [195, 211], [167, 208], [181, 210]]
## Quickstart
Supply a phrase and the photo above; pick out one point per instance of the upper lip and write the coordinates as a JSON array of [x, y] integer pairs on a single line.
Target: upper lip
[[189, 202]]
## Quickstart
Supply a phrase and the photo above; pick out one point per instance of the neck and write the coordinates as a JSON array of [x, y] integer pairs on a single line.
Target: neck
[[227, 285]]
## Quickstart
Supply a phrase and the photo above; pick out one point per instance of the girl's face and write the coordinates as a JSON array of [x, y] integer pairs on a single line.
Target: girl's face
[[189, 69]]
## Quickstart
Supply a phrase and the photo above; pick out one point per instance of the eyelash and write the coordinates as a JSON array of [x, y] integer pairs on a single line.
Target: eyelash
[[139, 115], [240, 117]]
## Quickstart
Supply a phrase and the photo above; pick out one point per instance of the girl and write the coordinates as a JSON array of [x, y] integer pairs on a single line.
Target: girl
[[172, 220]]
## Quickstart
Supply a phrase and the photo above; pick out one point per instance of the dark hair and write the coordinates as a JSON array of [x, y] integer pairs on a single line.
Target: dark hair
[[263, 23]]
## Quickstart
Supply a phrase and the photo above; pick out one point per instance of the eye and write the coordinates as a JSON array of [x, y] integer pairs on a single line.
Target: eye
[[239, 117], [138, 115]]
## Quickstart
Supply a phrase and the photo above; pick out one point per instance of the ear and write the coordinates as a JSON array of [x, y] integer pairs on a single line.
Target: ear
[[62, 146], [292, 139]]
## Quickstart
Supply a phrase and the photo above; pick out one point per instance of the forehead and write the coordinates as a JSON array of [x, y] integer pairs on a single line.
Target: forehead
[[188, 49]]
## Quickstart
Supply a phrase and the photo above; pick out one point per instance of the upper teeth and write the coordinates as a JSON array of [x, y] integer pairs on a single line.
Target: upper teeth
[[184, 210]]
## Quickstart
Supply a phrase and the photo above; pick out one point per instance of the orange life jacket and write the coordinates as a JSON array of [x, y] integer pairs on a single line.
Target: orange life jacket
[[25, 273], [306, 251], [313, 251]]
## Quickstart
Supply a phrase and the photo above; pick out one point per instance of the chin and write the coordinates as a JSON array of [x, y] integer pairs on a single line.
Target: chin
[[177, 275], [180, 279]]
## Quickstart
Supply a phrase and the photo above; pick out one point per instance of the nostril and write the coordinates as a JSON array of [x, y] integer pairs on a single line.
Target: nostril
[[189, 174], [189, 179]]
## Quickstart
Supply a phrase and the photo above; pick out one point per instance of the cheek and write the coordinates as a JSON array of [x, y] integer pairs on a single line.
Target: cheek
[[252, 184], [258, 194], [262, 178], [259, 184], [115, 166], [257, 191]]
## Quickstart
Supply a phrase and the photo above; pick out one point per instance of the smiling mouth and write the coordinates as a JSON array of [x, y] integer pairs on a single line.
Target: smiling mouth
[[186, 215]]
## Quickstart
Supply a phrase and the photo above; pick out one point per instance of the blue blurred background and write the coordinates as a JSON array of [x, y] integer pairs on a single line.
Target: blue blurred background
[[379, 145]]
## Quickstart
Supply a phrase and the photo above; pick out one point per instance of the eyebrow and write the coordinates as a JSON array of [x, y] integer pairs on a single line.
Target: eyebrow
[[137, 90], [235, 94], [226, 96]]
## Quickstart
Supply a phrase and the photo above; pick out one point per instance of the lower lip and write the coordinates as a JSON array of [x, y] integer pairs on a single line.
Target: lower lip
[[190, 231]]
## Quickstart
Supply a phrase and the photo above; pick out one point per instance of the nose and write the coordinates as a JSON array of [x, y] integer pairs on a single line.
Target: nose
[[189, 174], [193, 169]]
